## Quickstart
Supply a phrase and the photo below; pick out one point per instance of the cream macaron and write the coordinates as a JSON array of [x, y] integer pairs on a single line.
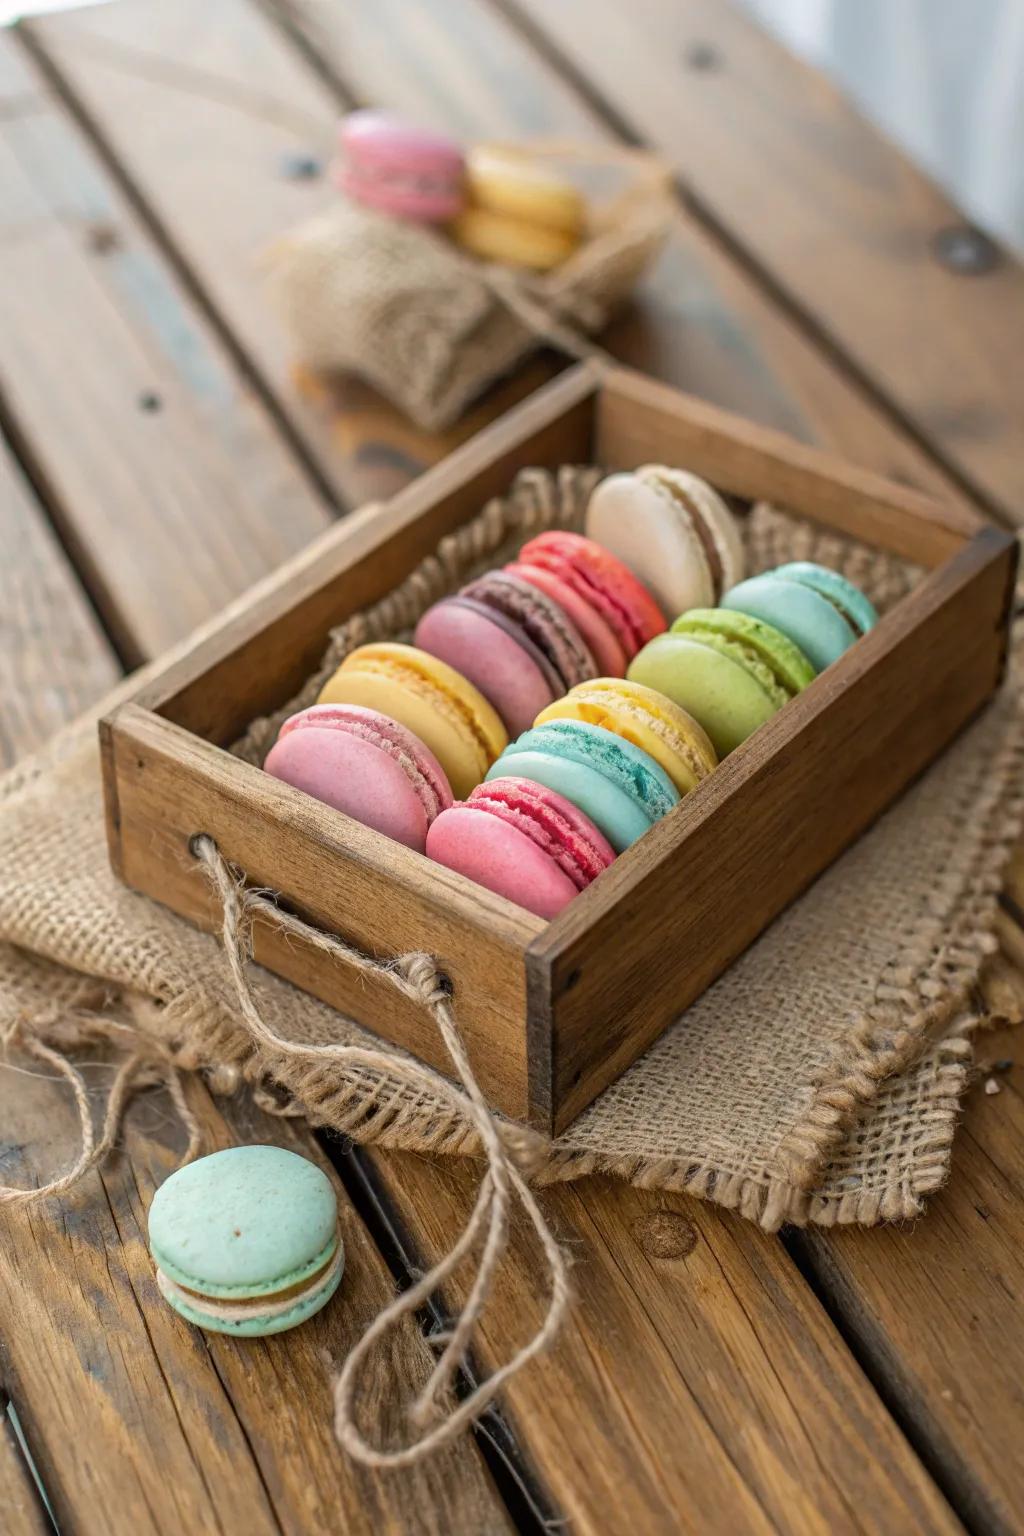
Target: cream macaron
[[674, 532]]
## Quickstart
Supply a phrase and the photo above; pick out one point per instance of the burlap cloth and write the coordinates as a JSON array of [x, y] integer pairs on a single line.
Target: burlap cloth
[[399, 305], [817, 1080]]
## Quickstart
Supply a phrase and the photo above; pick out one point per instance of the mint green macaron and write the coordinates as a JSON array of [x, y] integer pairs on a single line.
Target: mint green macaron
[[730, 671], [246, 1240], [819, 610], [618, 785]]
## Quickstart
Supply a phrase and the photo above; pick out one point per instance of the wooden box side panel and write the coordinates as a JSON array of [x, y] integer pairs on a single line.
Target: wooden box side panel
[[641, 944], [271, 643], [164, 786], [639, 420]]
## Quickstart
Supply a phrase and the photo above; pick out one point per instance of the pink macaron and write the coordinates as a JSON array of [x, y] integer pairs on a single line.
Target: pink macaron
[[602, 581], [365, 764], [513, 643], [400, 169], [522, 841], [597, 633]]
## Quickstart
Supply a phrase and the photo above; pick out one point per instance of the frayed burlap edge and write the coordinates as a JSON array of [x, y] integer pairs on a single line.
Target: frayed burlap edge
[[918, 999]]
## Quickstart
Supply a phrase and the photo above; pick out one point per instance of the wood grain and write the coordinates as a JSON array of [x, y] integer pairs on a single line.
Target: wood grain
[[935, 1307], [208, 113], [717, 1394], [341, 877], [21, 1509], [830, 213], [124, 397], [188, 1431], [701, 322], [54, 660]]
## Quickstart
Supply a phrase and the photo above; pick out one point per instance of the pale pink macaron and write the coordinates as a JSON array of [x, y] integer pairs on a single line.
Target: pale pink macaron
[[365, 764], [522, 841], [398, 168]]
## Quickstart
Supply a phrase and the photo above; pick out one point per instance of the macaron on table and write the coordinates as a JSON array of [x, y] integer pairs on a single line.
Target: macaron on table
[[582, 760], [245, 1241]]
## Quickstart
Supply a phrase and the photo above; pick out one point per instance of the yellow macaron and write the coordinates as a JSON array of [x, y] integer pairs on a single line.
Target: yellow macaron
[[518, 212], [647, 719], [430, 699]]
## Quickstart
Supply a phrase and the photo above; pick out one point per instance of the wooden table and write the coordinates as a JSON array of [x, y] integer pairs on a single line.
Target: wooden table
[[160, 457]]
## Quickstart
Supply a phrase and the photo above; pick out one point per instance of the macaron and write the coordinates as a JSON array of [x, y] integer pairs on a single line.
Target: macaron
[[397, 168], [511, 641], [818, 609], [646, 718], [246, 1240], [598, 635], [671, 529], [365, 764], [601, 580], [518, 213], [523, 841], [729, 671], [444, 711], [618, 785]]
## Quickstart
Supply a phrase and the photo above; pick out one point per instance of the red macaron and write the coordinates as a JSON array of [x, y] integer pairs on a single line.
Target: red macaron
[[600, 580]]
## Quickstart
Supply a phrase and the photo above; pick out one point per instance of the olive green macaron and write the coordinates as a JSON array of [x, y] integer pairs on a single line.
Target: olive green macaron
[[729, 671]]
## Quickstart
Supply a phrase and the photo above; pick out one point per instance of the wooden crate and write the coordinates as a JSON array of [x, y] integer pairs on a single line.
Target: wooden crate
[[554, 1012]]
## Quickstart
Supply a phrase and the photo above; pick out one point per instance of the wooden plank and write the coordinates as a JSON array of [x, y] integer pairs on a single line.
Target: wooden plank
[[189, 1431], [703, 323], [830, 213], [934, 1308], [185, 1431], [214, 120], [21, 1509], [697, 1386], [122, 395], [54, 660]]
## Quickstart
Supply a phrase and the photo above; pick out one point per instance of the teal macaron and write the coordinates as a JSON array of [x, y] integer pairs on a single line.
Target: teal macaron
[[618, 785], [819, 610], [730, 671], [246, 1240]]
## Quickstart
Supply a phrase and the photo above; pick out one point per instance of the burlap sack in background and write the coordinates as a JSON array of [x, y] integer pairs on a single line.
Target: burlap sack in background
[[817, 1080], [400, 306]]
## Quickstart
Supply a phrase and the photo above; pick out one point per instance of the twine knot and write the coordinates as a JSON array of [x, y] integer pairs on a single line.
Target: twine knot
[[509, 1149]]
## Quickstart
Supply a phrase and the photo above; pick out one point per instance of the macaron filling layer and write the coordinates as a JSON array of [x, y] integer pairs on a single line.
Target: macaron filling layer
[[252, 1288], [666, 486], [544, 623], [602, 580], [636, 720], [268, 1304], [517, 802], [848, 600], [778, 664], [628, 768], [448, 705], [387, 736]]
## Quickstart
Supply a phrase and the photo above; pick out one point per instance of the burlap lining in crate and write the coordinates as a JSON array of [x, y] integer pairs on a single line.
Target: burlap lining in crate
[[818, 1080]]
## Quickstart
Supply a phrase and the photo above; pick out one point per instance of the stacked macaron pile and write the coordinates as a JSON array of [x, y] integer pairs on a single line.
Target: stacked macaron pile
[[547, 715], [496, 202]]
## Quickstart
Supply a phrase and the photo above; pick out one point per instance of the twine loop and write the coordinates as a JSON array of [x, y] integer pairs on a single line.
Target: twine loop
[[511, 1152]]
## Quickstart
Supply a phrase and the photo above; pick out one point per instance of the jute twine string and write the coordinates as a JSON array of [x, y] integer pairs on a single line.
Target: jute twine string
[[147, 1064], [509, 1151]]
